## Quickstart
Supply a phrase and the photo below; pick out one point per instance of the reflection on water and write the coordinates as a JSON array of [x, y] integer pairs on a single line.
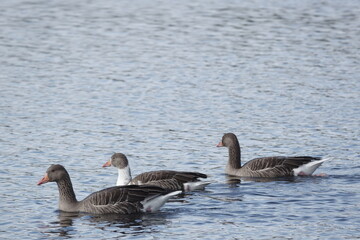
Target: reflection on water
[[66, 219], [121, 224], [234, 179]]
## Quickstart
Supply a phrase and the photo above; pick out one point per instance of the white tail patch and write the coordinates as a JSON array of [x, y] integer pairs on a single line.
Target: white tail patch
[[309, 168], [192, 186], [154, 203]]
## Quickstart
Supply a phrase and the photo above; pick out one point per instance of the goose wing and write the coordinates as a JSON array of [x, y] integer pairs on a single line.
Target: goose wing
[[168, 184], [167, 174], [276, 166], [120, 199], [170, 180]]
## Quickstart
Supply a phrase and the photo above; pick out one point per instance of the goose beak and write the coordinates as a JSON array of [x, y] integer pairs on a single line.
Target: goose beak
[[220, 144], [107, 164], [45, 179]]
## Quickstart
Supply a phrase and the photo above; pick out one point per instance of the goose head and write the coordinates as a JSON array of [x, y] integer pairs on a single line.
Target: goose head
[[54, 173], [117, 160], [229, 139]]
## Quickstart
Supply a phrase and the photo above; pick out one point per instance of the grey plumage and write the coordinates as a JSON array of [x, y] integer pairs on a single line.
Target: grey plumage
[[119, 199], [277, 166], [167, 179]]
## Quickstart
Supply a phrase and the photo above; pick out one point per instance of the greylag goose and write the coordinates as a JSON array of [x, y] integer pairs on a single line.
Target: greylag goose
[[277, 166], [167, 179], [119, 200]]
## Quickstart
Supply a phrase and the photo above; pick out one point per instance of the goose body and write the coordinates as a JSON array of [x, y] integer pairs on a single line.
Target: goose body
[[277, 166], [167, 179], [118, 200]]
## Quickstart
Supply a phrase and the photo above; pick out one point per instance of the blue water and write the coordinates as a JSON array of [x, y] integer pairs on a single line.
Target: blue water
[[161, 82]]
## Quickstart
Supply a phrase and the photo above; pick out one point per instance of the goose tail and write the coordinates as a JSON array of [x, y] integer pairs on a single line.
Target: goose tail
[[309, 168], [193, 186], [154, 203]]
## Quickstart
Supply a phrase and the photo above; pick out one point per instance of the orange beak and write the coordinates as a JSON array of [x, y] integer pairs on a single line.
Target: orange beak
[[45, 179], [220, 144], [107, 164]]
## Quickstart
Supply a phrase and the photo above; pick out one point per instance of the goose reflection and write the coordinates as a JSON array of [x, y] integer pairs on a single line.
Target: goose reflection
[[234, 181], [131, 223], [66, 219]]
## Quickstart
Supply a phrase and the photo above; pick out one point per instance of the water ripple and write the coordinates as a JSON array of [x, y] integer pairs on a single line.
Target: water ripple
[[81, 80]]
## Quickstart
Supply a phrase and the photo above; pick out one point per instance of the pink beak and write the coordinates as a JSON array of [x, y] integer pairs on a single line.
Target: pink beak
[[220, 144], [45, 179], [107, 164]]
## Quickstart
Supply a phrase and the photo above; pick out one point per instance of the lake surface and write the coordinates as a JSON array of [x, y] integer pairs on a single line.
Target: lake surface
[[161, 81]]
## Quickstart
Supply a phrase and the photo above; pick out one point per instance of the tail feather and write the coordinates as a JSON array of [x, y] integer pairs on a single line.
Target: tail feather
[[309, 168], [193, 186], [154, 203]]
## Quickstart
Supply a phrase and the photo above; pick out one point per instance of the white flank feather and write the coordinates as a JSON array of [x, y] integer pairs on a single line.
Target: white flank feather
[[154, 203], [309, 168], [192, 186]]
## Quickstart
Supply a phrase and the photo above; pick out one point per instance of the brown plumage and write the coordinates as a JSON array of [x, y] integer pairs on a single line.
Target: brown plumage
[[119, 200], [277, 166], [167, 179]]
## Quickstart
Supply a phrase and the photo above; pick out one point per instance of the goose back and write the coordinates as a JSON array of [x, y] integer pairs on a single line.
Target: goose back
[[277, 166], [120, 199], [167, 179]]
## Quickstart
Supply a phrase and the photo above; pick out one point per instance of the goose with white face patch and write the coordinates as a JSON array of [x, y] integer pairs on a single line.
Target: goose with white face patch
[[272, 167], [167, 179]]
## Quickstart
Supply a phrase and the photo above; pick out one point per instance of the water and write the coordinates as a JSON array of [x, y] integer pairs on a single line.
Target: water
[[161, 82]]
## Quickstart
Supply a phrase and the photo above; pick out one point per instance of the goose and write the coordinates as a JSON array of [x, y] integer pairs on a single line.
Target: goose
[[167, 179], [277, 166], [113, 200]]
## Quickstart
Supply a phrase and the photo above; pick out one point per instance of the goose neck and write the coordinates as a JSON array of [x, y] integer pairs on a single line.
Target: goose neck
[[234, 157], [66, 192], [124, 176]]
